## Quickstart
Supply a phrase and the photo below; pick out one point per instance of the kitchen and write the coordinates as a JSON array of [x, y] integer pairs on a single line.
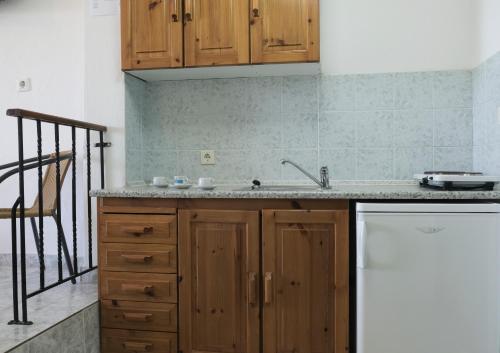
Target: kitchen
[[210, 166]]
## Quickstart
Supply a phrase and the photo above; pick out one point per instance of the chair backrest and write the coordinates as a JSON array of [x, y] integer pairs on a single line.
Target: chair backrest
[[49, 181]]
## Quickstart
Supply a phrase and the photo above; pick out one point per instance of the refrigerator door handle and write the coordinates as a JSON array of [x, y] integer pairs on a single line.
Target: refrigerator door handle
[[361, 255]]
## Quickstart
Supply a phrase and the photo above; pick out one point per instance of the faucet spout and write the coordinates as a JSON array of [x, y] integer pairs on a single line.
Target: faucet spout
[[324, 183]]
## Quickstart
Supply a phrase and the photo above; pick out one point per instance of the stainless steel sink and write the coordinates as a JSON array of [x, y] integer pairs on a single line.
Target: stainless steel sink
[[283, 188]]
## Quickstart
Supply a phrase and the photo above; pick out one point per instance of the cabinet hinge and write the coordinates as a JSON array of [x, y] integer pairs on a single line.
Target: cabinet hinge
[[179, 280]]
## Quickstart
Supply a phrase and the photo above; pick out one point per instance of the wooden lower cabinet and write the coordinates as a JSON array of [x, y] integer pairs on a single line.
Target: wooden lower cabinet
[[306, 284], [128, 341], [219, 266]]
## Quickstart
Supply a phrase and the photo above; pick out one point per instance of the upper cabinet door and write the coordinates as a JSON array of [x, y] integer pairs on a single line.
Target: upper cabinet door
[[216, 32], [284, 31], [306, 281], [151, 34], [219, 290]]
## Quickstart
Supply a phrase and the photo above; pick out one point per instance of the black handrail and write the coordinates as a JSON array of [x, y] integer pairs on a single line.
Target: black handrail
[[18, 210]]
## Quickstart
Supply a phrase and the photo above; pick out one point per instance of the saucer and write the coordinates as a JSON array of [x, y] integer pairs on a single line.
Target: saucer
[[182, 186], [208, 188], [160, 185]]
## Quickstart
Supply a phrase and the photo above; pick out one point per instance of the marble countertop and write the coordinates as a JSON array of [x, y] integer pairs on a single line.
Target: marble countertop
[[358, 190]]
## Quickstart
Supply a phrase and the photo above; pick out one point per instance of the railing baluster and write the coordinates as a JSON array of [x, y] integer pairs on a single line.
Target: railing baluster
[[73, 204], [101, 150], [89, 203], [22, 223], [58, 203], [15, 293], [40, 203]]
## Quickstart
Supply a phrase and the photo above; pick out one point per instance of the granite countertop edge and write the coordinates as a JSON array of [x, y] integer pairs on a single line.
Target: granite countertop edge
[[374, 191]]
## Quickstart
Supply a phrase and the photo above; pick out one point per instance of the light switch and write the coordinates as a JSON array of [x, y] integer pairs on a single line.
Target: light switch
[[208, 157]]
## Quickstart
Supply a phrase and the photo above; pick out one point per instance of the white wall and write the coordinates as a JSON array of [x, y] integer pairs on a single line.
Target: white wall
[[367, 36], [489, 29], [42, 40]]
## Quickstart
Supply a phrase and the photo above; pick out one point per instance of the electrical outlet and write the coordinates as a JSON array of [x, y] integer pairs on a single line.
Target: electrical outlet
[[207, 157], [24, 85]]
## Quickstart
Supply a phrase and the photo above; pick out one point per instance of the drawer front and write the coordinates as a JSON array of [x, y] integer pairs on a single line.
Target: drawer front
[[147, 287], [130, 228], [138, 257], [139, 316], [128, 341]]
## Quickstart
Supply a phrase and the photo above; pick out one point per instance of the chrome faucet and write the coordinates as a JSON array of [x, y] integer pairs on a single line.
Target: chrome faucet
[[324, 183]]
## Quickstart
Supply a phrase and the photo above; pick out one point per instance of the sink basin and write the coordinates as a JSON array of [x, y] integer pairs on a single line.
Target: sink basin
[[284, 188]]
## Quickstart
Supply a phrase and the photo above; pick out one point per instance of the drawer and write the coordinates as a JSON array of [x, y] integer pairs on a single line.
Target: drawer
[[138, 257], [147, 287], [128, 341], [136, 228], [139, 316]]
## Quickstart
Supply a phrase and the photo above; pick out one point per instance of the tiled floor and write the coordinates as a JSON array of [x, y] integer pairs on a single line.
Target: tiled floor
[[46, 309]]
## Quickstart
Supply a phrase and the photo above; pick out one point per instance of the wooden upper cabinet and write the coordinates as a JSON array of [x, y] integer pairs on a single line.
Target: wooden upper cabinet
[[151, 34], [219, 287], [284, 31], [306, 281], [216, 32]]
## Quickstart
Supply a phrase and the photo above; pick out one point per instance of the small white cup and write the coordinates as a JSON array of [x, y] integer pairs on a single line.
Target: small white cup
[[181, 180], [206, 182], [160, 181]]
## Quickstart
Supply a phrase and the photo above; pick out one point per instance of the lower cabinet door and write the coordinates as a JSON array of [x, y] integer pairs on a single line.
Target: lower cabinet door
[[306, 281], [219, 285]]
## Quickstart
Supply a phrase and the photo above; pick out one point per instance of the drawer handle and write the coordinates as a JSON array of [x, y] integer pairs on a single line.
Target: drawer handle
[[137, 317], [138, 288], [268, 288], [137, 258], [137, 346], [138, 231]]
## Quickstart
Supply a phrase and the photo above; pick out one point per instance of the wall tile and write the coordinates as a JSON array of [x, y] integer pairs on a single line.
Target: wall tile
[[453, 158], [159, 131], [374, 129], [374, 164], [337, 93], [340, 161], [375, 92], [453, 127], [159, 163], [453, 89], [134, 166], [300, 130], [492, 78], [337, 129], [413, 90], [410, 161], [300, 94], [413, 128]]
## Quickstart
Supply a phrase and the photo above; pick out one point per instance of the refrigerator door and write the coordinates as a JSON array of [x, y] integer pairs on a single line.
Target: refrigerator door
[[428, 283]]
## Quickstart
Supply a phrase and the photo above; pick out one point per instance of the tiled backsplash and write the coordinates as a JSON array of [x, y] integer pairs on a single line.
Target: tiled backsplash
[[486, 80], [365, 127]]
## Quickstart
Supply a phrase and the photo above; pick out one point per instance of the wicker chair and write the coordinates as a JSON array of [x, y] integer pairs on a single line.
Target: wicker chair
[[49, 205]]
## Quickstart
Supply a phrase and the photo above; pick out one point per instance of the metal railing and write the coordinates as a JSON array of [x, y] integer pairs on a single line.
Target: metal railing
[[39, 210]]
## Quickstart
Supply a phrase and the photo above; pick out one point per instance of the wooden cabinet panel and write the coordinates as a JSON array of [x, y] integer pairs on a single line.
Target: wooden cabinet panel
[[147, 287], [285, 31], [127, 228], [156, 258], [306, 284], [139, 316], [128, 341], [151, 33], [216, 32], [219, 266]]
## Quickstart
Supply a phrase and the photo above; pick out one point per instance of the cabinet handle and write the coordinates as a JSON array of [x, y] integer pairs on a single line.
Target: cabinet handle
[[138, 288], [175, 13], [256, 13], [188, 8], [137, 346], [137, 258], [361, 256], [268, 288], [138, 231], [137, 317], [252, 288]]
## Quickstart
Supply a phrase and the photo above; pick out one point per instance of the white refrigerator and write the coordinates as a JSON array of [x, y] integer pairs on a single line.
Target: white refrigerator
[[428, 278]]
